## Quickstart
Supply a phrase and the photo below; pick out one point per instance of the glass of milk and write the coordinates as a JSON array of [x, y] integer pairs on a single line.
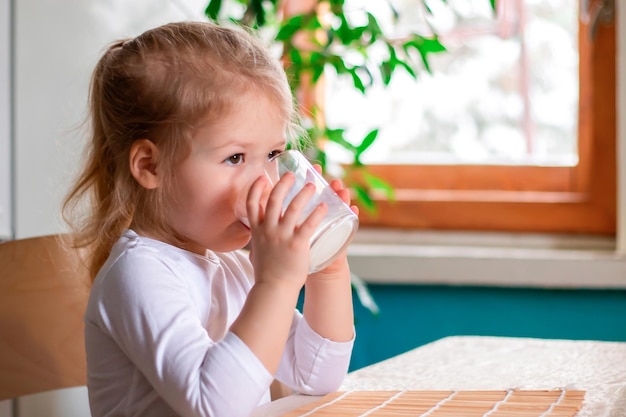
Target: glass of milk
[[339, 224]]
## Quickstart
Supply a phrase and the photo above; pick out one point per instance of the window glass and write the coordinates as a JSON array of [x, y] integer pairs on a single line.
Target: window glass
[[505, 92]]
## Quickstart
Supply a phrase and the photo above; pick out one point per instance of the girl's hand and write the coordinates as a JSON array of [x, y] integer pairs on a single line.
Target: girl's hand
[[280, 257], [340, 264], [280, 247]]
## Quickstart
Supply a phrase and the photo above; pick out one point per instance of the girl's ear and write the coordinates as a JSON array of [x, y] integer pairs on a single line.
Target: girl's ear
[[143, 159]]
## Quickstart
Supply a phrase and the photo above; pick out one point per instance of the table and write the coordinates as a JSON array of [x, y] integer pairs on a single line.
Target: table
[[482, 363]]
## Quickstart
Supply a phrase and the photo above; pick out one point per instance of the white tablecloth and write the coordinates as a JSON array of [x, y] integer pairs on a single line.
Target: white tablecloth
[[480, 363]]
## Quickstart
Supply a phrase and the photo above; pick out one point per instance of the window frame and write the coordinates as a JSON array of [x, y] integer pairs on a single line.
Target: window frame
[[578, 199]]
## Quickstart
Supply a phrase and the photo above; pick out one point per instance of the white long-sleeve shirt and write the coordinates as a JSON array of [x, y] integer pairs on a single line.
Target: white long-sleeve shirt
[[158, 344]]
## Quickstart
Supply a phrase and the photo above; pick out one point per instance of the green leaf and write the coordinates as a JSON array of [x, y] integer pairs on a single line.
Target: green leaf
[[311, 22], [318, 70], [424, 47], [344, 32], [337, 3], [408, 68], [378, 183], [259, 12], [394, 11], [424, 44], [426, 5], [388, 67], [356, 80], [358, 32], [433, 45], [295, 57], [338, 64], [336, 6], [386, 70], [336, 136], [367, 141], [373, 26], [363, 197], [289, 28], [213, 9], [317, 59]]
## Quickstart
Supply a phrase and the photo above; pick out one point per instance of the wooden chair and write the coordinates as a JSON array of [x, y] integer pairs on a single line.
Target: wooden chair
[[43, 294]]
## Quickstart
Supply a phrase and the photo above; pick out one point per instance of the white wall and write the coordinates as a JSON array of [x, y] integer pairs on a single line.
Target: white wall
[[56, 44], [5, 126]]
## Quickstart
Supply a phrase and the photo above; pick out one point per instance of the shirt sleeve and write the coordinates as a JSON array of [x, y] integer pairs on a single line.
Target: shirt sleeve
[[148, 313], [312, 364]]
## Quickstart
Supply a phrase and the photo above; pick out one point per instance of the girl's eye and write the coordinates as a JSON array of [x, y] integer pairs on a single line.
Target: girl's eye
[[274, 154], [235, 159]]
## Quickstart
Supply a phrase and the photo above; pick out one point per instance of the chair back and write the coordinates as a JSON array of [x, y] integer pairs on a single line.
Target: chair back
[[43, 293]]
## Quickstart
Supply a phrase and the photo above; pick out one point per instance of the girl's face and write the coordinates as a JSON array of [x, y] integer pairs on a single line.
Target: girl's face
[[225, 157]]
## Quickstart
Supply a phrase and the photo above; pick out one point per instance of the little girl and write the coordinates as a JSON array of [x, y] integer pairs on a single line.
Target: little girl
[[180, 322]]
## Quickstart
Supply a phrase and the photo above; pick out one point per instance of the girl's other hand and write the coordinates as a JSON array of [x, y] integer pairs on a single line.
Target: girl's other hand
[[279, 246], [340, 265], [339, 188]]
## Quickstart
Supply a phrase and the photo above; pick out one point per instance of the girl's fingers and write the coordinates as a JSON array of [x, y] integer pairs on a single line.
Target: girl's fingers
[[273, 215], [342, 192], [344, 195], [307, 228], [289, 217], [297, 204], [274, 208], [254, 203]]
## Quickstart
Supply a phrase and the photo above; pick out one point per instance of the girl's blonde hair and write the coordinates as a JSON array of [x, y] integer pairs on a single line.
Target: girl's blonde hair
[[159, 86]]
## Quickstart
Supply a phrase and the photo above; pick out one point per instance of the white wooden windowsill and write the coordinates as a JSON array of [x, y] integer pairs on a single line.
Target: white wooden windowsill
[[542, 261]]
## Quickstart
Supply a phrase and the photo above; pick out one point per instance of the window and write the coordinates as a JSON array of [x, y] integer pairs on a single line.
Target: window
[[572, 193]]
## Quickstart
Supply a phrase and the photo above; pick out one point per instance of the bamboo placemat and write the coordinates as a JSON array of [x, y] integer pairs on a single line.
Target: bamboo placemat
[[502, 403]]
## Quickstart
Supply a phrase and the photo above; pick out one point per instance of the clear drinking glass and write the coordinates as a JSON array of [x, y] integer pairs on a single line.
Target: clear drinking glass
[[338, 226]]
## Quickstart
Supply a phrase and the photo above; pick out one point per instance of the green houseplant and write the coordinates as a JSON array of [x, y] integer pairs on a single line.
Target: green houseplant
[[316, 36]]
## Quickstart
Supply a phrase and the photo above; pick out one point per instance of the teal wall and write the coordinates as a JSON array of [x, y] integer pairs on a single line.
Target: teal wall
[[412, 315]]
